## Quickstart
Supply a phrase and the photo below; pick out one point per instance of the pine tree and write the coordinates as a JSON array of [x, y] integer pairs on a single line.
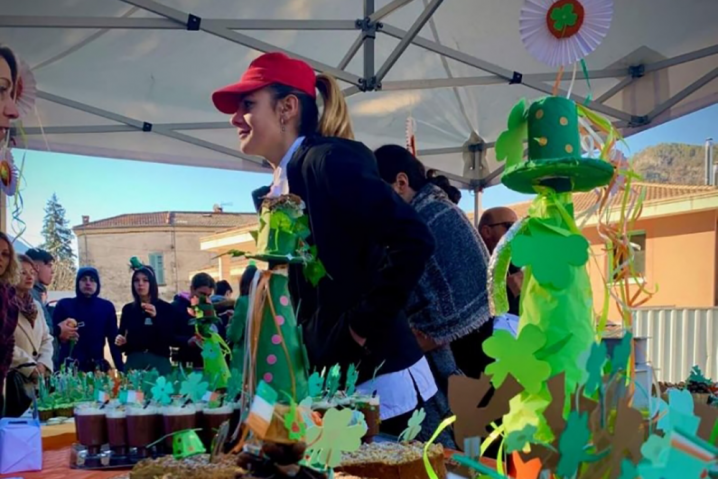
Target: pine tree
[[58, 242]]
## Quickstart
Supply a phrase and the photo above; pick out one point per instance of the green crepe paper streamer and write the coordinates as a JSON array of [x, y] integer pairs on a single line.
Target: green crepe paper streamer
[[495, 434], [427, 464], [498, 269], [589, 97], [510, 144], [486, 471], [516, 356]]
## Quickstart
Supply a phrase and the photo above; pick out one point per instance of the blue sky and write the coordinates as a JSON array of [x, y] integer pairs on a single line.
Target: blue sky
[[102, 188]]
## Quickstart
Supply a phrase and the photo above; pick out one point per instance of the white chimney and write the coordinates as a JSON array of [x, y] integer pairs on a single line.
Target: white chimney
[[710, 167]]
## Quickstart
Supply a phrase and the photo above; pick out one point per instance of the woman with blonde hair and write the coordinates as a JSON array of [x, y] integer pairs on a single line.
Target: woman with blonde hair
[[372, 244]]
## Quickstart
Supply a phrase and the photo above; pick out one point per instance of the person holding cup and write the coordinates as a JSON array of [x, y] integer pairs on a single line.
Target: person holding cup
[[145, 325]]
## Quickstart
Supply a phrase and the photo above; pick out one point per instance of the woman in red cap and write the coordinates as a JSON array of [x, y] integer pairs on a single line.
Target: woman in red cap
[[372, 244]]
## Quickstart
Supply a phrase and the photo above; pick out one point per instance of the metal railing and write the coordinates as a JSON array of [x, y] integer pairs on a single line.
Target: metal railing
[[678, 340]]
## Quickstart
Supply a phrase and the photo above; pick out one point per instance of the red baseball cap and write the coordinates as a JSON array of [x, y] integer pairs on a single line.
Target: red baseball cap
[[266, 70]]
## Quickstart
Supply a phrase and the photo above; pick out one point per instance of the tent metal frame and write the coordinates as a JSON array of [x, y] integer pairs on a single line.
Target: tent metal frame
[[371, 80]]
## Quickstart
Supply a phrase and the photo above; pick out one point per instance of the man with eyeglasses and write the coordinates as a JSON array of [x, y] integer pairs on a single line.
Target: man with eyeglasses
[[493, 225]]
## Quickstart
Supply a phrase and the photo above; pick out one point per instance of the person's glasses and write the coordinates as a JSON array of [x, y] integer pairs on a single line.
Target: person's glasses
[[505, 224]]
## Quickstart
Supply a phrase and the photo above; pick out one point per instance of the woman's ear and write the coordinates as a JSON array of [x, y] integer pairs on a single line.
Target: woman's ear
[[289, 108]]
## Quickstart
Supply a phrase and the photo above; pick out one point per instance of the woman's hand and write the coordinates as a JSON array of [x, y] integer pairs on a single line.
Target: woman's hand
[[120, 340], [425, 342], [42, 370], [150, 309]]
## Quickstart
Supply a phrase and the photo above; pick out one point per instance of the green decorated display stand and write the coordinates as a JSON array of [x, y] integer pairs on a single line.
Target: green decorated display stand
[[273, 347], [556, 307]]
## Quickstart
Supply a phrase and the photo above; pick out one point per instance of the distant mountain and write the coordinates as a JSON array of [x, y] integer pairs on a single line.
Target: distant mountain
[[677, 163]]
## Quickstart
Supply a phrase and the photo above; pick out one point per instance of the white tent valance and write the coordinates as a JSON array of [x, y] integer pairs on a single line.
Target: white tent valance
[[132, 79]]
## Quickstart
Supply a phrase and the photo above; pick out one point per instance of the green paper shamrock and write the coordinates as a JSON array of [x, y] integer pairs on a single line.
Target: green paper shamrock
[[621, 354], [594, 367], [549, 253], [628, 470], [351, 382], [518, 440], [564, 17], [327, 442], [668, 462], [697, 376], [313, 268], [210, 350], [510, 144], [655, 449], [162, 391], [516, 356], [678, 413], [335, 374], [316, 384], [194, 388], [414, 427], [294, 424], [573, 444]]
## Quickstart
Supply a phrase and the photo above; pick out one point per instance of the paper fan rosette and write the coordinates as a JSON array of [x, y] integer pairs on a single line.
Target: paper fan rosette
[[26, 90], [562, 32], [8, 173]]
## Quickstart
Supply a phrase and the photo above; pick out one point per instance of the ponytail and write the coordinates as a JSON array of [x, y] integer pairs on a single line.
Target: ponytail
[[335, 119], [442, 182]]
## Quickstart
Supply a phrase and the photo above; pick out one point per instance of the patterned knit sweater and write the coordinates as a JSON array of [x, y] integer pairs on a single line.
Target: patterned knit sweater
[[451, 299]]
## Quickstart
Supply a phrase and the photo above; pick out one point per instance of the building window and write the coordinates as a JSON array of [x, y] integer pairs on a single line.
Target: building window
[[158, 264], [638, 240]]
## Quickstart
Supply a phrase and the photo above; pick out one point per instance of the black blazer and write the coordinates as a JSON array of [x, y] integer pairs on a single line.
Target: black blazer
[[374, 247]]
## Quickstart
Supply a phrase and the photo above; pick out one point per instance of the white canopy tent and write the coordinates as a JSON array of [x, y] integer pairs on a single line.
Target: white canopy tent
[[132, 79]]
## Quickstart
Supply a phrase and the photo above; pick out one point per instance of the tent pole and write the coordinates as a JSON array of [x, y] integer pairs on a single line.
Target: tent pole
[[477, 205], [369, 35], [3, 213]]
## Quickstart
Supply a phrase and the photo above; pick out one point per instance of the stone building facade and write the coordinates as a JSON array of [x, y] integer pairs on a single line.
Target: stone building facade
[[168, 241]]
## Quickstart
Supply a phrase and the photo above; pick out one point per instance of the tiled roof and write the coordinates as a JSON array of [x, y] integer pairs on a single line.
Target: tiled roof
[[655, 193], [178, 219]]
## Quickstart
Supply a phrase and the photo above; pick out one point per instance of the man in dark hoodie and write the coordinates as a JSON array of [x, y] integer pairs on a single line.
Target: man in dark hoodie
[[96, 322]]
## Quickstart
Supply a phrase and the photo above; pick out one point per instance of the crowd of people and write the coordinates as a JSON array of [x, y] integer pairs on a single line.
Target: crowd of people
[[406, 291]]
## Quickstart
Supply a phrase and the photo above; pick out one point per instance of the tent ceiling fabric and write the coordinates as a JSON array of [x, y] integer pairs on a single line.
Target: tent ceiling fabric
[[106, 69]]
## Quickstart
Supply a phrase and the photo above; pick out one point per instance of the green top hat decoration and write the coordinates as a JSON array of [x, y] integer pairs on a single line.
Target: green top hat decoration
[[551, 127], [186, 444]]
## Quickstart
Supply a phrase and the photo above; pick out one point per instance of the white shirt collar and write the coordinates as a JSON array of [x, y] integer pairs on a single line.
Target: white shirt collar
[[280, 184]]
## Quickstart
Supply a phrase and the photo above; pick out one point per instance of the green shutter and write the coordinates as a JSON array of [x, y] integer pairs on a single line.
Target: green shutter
[[158, 264]]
